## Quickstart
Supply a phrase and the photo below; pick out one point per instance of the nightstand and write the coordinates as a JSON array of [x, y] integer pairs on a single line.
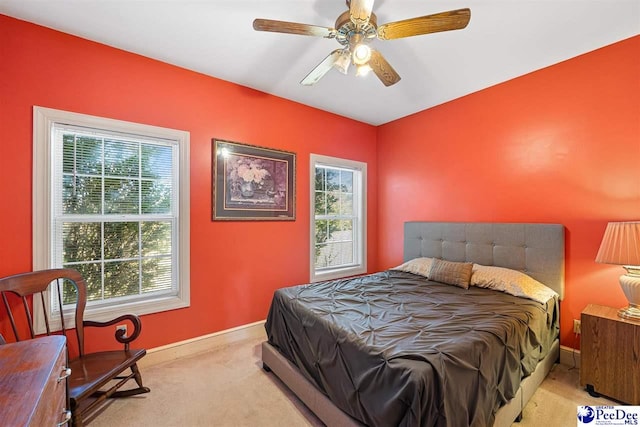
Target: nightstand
[[610, 354]]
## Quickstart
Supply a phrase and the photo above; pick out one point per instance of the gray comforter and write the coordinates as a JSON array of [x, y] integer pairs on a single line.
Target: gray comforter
[[393, 349]]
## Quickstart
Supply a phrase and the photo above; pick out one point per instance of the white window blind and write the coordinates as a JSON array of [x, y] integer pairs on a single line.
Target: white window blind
[[114, 212], [336, 218]]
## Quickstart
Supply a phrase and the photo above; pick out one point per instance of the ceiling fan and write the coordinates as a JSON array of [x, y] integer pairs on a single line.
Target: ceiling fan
[[354, 30]]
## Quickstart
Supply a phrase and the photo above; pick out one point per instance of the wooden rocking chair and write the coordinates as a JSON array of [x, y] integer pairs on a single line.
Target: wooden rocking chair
[[94, 376]]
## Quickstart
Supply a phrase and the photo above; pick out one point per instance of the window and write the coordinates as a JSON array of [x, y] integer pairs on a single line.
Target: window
[[111, 201], [338, 213]]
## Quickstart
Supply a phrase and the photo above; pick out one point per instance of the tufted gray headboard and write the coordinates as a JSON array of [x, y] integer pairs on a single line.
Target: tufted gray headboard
[[536, 249]]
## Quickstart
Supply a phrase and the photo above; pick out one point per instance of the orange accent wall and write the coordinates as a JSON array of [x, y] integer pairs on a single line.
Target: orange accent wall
[[560, 145], [235, 266]]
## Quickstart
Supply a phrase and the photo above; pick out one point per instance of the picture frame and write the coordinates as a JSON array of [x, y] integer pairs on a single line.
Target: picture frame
[[252, 183]]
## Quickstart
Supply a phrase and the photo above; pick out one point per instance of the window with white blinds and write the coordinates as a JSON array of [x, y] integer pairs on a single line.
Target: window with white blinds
[[116, 209]]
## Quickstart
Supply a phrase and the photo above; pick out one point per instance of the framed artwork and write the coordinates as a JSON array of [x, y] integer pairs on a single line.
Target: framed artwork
[[253, 183]]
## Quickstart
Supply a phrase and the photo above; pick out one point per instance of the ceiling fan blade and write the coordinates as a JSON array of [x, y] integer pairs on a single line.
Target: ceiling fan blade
[[322, 68], [360, 11], [383, 70], [445, 21], [293, 28]]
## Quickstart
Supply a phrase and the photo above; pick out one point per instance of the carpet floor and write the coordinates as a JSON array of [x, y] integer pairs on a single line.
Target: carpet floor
[[228, 387]]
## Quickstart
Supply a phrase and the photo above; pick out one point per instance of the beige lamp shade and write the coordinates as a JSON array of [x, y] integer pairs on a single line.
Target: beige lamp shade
[[621, 245]]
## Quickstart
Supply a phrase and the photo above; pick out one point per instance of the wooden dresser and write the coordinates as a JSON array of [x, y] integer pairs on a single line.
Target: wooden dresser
[[610, 354], [33, 385]]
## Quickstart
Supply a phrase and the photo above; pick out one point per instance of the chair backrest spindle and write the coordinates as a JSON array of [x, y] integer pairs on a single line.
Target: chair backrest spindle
[[59, 292], [27, 311], [46, 314], [10, 314]]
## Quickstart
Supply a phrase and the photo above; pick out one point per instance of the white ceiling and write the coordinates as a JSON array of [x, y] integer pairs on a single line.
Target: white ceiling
[[504, 39]]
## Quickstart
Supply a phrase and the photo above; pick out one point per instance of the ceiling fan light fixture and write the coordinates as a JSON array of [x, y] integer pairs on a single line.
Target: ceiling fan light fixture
[[343, 62], [363, 70], [361, 54]]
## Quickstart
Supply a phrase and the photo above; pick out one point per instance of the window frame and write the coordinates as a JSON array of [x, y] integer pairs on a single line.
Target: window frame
[[360, 206], [44, 120]]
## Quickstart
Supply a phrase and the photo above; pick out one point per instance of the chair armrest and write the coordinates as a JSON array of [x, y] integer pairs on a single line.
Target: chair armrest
[[120, 333]]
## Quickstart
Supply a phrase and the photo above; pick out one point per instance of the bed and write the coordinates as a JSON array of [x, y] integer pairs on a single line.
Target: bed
[[395, 348]]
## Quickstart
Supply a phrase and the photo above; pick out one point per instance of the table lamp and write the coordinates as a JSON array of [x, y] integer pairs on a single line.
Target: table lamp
[[621, 245]]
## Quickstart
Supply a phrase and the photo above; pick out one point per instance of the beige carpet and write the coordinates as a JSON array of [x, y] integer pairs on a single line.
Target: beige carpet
[[227, 387]]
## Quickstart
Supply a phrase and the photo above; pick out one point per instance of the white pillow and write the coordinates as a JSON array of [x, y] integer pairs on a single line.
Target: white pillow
[[420, 266], [510, 281]]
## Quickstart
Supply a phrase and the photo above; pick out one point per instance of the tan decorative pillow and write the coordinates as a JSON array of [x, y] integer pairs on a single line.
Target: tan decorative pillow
[[451, 273], [512, 282], [420, 266]]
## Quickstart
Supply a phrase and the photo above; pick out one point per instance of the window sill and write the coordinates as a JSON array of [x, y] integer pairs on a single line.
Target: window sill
[[339, 273]]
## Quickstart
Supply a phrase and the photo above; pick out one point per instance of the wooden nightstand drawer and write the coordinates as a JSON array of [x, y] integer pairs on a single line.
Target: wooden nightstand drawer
[[610, 354]]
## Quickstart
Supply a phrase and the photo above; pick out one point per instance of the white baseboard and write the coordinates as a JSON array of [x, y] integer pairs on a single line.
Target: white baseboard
[[569, 356], [202, 344]]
